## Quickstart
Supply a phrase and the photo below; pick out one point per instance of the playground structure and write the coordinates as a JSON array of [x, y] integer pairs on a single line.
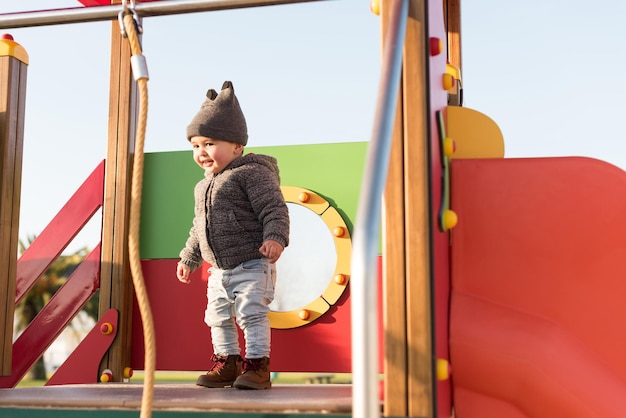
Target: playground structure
[[491, 285]]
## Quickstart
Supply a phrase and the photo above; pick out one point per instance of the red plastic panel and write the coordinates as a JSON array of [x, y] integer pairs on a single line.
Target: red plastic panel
[[82, 366], [538, 288]]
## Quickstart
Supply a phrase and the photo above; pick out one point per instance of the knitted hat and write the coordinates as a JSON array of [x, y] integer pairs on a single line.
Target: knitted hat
[[220, 117]]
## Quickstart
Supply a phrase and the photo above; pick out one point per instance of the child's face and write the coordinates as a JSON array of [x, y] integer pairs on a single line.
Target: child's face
[[214, 155]]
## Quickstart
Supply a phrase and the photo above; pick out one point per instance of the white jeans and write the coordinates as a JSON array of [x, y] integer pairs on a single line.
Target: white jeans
[[242, 294]]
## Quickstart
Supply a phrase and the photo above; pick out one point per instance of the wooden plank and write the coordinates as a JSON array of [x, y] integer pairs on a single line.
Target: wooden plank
[[452, 15], [18, 158], [174, 400], [12, 96], [417, 218], [394, 282], [394, 274], [116, 290], [5, 346]]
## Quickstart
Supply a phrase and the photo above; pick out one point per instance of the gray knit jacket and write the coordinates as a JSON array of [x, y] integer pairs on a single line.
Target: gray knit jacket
[[235, 211]]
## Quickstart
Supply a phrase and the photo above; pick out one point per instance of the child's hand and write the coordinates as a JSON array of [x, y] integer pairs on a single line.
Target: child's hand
[[182, 272], [272, 250]]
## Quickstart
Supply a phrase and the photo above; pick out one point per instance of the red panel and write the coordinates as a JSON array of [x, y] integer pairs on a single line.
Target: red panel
[[54, 317], [82, 366], [184, 343], [538, 288], [51, 242]]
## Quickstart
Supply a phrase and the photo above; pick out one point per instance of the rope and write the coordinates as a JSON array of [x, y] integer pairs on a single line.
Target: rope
[[133, 239]]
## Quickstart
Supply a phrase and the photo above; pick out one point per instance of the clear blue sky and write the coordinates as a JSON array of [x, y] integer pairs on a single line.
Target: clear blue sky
[[550, 73]]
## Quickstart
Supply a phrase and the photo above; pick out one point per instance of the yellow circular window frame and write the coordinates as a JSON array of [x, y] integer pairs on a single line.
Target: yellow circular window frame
[[341, 276]]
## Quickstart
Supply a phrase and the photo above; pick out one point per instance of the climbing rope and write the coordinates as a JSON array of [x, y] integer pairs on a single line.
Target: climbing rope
[[130, 28]]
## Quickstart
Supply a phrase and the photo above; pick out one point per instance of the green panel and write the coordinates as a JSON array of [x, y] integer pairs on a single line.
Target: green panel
[[331, 170], [167, 203]]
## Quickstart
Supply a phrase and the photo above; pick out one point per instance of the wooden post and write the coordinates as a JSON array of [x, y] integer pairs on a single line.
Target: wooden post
[[453, 27], [116, 289], [394, 260], [13, 66], [406, 247]]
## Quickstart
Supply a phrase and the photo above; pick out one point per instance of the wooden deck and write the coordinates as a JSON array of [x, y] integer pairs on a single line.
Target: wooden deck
[[331, 399]]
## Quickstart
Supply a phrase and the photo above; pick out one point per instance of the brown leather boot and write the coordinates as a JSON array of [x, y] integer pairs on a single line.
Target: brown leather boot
[[223, 373], [255, 375]]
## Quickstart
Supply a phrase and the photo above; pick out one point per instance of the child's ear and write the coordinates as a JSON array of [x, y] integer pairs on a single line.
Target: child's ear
[[239, 149]]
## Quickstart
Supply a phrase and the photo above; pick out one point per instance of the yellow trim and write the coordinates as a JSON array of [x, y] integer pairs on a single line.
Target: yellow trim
[[338, 282], [13, 49], [343, 246], [315, 202], [293, 319]]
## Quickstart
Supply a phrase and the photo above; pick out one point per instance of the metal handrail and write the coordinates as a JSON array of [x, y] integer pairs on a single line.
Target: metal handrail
[[363, 287], [102, 13]]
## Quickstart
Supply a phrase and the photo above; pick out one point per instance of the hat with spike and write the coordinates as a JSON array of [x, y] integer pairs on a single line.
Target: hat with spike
[[220, 117]]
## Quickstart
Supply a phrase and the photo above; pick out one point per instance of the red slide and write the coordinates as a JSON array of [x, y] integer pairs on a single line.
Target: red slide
[[538, 298]]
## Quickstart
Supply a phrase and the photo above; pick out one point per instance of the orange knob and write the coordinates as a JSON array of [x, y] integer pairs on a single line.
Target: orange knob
[[304, 314], [106, 376], [448, 81], [304, 197], [436, 46], [339, 231], [106, 328], [449, 147], [443, 369], [128, 372], [449, 219], [340, 279]]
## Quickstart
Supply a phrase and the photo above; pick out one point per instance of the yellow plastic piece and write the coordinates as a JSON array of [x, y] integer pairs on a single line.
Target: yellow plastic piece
[[341, 279], [314, 201], [475, 134], [343, 246], [450, 219], [13, 49], [453, 71], [292, 319], [106, 376], [448, 147], [339, 231], [375, 7], [304, 197], [443, 369], [448, 81]]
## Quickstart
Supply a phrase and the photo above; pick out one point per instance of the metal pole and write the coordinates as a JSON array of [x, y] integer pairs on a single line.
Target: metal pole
[[102, 13], [363, 290]]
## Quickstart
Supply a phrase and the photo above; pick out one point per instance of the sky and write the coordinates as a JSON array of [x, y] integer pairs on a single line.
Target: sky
[[550, 73]]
